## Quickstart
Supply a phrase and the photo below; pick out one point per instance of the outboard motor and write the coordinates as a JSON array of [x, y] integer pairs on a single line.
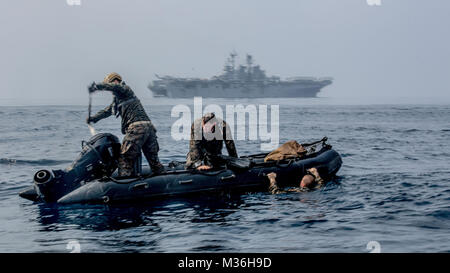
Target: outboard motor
[[98, 158]]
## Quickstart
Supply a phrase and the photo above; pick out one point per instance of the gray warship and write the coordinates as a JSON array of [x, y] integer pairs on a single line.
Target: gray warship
[[245, 81]]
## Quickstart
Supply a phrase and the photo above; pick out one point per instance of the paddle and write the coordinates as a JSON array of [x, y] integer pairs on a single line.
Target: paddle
[[91, 128]]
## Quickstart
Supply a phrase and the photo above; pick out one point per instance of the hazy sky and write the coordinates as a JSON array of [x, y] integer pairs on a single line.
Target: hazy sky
[[51, 51]]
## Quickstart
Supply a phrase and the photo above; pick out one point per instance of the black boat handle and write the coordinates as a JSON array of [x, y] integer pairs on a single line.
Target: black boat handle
[[286, 165], [223, 178], [140, 185], [182, 182], [323, 140]]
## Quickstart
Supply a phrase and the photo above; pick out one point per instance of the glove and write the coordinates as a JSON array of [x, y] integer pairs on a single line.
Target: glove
[[90, 120], [92, 88]]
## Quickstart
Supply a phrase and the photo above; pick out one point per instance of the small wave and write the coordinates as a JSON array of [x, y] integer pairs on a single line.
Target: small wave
[[267, 221], [307, 222], [441, 214], [401, 109], [407, 185], [384, 149], [10, 161], [355, 206], [360, 128], [400, 198], [412, 130]]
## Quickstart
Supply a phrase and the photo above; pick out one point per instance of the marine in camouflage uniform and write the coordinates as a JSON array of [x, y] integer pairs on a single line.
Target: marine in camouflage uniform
[[140, 134], [311, 180], [207, 136]]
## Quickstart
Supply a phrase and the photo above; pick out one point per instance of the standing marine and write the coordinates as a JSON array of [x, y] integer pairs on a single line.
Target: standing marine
[[140, 134], [207, 136]]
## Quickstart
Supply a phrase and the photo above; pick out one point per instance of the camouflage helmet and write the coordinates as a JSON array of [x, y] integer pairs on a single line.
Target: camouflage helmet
[[111, 77], [207, 117]]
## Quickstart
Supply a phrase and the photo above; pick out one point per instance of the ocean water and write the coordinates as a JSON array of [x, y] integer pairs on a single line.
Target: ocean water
[[393, 187]]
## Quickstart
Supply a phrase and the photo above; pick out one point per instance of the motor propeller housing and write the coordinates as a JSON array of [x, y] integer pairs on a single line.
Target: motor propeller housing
[[97, 158], [43, 176]]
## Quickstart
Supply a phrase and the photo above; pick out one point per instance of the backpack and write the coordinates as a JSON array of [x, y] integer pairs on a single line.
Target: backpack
[[290, 149]]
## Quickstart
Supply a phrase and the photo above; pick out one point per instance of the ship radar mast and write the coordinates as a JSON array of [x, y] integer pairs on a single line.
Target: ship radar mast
[[233, 59], [249, 61], [230, 67]]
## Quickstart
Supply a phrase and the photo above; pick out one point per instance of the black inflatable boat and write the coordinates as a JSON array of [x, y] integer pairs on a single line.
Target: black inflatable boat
[[92, 178]]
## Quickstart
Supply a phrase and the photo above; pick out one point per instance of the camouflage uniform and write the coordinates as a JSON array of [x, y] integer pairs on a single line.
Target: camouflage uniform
[[140, 134], [199, 147]]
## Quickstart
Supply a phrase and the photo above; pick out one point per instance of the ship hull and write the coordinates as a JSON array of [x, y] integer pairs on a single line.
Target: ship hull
[[287, 90]]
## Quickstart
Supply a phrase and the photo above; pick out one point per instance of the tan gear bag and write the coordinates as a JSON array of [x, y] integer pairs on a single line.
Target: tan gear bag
[[290, 149]]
